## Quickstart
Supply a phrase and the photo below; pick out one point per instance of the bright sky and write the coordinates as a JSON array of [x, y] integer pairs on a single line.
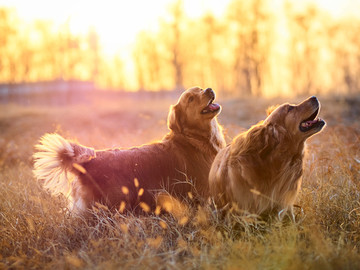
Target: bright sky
[[118, 21]]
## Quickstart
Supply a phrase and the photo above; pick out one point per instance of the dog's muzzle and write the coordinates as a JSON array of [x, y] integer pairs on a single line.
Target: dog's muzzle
[[210, 93]]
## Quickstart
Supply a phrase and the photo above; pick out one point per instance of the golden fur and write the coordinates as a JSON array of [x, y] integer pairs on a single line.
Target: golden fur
[[261, 169], [131, 177]]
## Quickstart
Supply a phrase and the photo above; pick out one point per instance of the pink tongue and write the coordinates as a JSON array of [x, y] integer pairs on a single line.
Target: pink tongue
[[312, 122], [214, 106]]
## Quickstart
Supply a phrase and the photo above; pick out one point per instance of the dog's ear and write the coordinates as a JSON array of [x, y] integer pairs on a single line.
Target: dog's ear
[[174, 118], [270, 109]]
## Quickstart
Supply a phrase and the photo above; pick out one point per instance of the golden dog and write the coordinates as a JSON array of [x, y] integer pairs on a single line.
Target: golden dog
[[129, 178], [261, 169]]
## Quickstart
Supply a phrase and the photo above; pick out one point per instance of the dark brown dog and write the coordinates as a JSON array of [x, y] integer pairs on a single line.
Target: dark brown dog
[[261, 169], [129, 178]]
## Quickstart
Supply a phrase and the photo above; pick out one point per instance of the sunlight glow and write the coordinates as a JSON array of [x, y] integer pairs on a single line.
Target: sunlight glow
[[118, 22], [135, 38]]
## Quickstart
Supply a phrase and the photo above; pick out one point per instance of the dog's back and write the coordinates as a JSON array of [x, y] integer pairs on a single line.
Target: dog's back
[[134, 175], [116, 176]]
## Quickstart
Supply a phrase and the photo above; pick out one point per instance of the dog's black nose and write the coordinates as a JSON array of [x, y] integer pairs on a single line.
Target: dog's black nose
[[209, 92], [313, 99]]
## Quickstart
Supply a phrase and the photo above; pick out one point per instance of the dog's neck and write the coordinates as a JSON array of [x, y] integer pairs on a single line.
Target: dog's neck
[[293, 163], [257, 148], [209, 142], [292, 149]]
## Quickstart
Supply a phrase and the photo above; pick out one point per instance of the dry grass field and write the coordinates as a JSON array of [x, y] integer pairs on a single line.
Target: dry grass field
[[38, 232]]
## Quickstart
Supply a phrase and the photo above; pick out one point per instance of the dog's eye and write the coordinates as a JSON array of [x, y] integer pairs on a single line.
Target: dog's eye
[[290, 108], [190, 99]]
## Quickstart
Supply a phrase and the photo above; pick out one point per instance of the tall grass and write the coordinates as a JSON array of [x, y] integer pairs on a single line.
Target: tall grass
[[37, 231]]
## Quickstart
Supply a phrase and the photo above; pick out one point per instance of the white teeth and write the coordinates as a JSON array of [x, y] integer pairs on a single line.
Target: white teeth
[[210, 101]]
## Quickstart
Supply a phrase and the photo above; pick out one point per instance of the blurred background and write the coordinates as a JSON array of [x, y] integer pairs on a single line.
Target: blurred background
[[267, 48], [104, 73]]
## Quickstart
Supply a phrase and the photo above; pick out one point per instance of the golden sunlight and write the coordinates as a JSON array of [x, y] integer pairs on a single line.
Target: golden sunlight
[[235, 46], [116, 22]]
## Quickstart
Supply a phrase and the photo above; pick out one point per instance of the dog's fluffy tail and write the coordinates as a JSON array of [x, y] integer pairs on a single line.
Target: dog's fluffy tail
[[57, 161]]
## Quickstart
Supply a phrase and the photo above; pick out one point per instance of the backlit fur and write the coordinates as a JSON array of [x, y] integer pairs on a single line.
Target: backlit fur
[[261, 169], [178, 163]]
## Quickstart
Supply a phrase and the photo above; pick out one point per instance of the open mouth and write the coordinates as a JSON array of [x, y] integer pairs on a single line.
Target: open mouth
[[312, 122], [211, 107]]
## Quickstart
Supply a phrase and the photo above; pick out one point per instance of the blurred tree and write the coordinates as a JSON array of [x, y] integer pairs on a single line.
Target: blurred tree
[[177, 13], [305, 42], [205, 52], [213, 41], [252, 26], [111, 73], [93, 42], [159, 57], [71, 55], [42, 53], [174, 29], [8, 30], [239, 54], [147, 60], [139, 57], [346, 54]]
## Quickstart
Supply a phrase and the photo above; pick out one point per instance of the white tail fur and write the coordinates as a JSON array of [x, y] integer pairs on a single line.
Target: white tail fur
[[54, 162]]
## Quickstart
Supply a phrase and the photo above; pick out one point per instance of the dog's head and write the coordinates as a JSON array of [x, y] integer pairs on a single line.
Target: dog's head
[[300, 121], [194, 110]]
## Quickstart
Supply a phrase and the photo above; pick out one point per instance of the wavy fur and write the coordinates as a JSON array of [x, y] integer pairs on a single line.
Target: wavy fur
[[261, 169], [55, 161], [179, 162]]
